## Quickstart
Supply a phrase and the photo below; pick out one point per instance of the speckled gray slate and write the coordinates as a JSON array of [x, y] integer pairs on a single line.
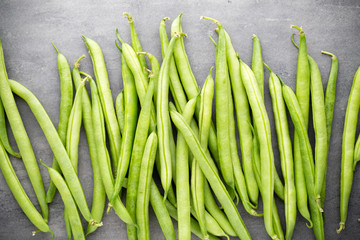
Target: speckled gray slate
[[28, 27]]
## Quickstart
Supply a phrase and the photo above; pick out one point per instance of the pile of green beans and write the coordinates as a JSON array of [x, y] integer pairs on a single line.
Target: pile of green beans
[[163, 119]]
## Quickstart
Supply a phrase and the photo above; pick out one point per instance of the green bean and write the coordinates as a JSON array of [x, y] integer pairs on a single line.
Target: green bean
[[143, 196], [197, 177], [303, 96], [189, 82], [195, 228], [307, 158], [56, 146], [103, 155], [257, 63], [66, 102], [222, 113], [319, 121], [69, 203], [163, 118], [99, 195], [257, 169], [329, 107], [120, 111], [19, 193], [247, 188], [140, 78], [176, 88], [3, 133], [285, 150], [141, 134], [135, 42], [21, 137], [211, 175], [161, 212], [267, 156], [72, 140], [182, 181], [131, 115], [347, 157], [107, 104]]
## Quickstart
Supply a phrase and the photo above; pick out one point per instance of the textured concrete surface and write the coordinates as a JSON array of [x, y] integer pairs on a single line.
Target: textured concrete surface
[[28, 27]]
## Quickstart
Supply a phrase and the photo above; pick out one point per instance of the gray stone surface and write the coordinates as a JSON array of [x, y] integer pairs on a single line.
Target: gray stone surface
[[28, 27]]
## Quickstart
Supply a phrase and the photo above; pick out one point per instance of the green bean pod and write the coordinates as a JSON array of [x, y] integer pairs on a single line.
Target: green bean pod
[[103, 155], [131, 116], [319, 121], [107, 104], [70, 206], [197, 177], [329, 107], [195, 228], [182, 180], [66, 102], [257, 65], [141, 134], [135, 42], [120, 111], [19, 193], [99, 195], [189, 83], [211, 175], [176, 88], [347, 157], [307, 158], [303, 96], [143, 196], [72, 140], [161, 212], [162, 117], [222, 110], [267, 156], [245, 182], [285, 150], [21, 137], [56, 146], [3, 133]]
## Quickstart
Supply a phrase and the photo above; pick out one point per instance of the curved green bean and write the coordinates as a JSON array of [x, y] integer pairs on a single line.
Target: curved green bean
[[257, 63], [307, 158], [70, 206], [21, 137], [107, 104], [19, 193], [347, 157], [56, 146], [211, 175]]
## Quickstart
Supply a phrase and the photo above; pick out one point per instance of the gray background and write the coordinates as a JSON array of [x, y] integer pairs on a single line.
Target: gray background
[[27, 29]]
